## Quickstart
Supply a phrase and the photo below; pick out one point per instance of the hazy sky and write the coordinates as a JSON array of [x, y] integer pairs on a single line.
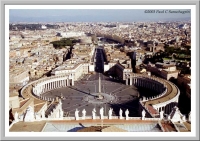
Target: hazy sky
[[91, 15]]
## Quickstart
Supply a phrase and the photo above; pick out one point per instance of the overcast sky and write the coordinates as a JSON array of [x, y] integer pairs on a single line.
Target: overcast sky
[[91, 15]]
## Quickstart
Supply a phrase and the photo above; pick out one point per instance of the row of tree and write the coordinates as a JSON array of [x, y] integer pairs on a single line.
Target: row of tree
[[64, 42]]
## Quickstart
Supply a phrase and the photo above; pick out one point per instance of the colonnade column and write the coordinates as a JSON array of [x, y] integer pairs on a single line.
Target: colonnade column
[[67, 82], [64, 82], [131, 81], [46, 87], [126, 81], [72, 82], [42, 88], [54, 85]]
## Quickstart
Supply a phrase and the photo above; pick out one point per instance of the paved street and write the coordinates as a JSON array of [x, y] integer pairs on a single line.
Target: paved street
[[99, 60]]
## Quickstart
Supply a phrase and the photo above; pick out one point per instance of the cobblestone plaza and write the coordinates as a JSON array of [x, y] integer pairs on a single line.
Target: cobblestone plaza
[[82, 96]]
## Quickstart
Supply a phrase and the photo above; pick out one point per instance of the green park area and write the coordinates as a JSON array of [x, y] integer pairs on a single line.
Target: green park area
[[62, 43], [183, 53]]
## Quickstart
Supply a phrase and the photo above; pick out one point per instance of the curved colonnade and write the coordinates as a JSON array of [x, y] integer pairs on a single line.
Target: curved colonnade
[[168, 93], [164, 101], [38, 87]]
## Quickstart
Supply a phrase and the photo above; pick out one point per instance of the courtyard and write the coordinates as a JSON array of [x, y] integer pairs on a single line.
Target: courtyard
[[83, 95]]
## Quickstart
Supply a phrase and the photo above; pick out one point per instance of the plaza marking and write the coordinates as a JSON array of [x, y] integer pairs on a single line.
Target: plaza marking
[[117, 89], [122, 90]]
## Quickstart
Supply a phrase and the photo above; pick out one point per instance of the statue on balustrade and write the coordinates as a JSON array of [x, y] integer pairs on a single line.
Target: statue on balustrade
[[83, 114], [120, 113], [143, 114], [127, 113], [101, 112], [94, 114], [110, 113], [76, 115]]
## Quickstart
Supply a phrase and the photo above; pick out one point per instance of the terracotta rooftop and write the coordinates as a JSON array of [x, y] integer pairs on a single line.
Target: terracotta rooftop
[[152, 110], [38, 106], [168, 126], [23, 102]]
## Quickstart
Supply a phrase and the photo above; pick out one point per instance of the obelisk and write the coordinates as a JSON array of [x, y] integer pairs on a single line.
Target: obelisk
[[99, 84]]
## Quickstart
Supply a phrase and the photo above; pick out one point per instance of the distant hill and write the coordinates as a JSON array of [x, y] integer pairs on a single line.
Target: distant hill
[[91, 18]]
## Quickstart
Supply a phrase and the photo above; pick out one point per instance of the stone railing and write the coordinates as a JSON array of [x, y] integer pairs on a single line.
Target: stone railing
[[104, 118]]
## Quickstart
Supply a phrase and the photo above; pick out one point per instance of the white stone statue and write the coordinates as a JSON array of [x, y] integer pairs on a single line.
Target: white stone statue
[[37, 116], [110, 113], [101, 112], [83, 114], [189, 117], [161, 115], [94, 114], [168, 117], [176, 114], [120, 113], [60, 102], [61, 113], [183, 118], [21, 117], [29, 116], [16, 117], [143, 114], [127, 113], [76, 115], [43, 114]]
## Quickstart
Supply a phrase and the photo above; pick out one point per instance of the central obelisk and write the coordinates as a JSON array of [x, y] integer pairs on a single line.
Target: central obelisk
[[99, 84], [99, 97]]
